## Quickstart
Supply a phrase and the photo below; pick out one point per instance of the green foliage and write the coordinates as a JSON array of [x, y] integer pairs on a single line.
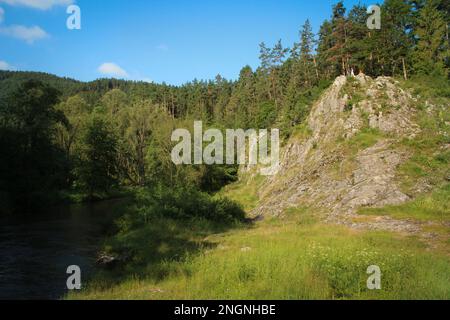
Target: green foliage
[[76, 110], [32, 167], [302, 132], [366, 138], [11, 81], [96, 170], [185, 203], [432, 50], [215, 178], [429, 87], [298, 106], [433, 206], [267, 115], [114, 101], [428, 163], [413, 40]]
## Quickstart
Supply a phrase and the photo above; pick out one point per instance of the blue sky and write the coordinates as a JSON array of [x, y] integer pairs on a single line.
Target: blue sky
[[170, 41]]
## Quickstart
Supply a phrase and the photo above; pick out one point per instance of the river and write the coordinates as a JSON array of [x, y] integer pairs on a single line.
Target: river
[[35, 250]]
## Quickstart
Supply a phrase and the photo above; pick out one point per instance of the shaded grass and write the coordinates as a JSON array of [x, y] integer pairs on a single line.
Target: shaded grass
[[291, 258], [154, 249]]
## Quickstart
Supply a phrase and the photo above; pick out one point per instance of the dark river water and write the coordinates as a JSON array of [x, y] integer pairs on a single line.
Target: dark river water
[[35, 251]]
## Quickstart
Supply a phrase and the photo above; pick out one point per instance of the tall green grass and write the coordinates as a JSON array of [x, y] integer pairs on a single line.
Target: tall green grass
[[434, 206], [366, 138], [430, 158], [296, 258], [244, 192]]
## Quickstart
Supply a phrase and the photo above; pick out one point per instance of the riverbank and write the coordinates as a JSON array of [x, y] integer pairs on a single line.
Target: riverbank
[[36, 249]]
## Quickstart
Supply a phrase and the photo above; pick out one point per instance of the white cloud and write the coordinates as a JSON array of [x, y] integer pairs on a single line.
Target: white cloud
[[28, 34], [38, 4], [6, 66], [112, 69]]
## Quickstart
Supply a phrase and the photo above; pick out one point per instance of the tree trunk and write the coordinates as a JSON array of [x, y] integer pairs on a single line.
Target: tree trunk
[[405, 74], [315, 68], [447, 33]]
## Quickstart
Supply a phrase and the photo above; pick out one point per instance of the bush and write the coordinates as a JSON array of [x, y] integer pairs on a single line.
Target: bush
[[227, 210], [184, 203]]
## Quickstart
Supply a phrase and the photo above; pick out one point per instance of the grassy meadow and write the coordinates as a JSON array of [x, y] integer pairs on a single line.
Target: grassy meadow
[[293, 258]]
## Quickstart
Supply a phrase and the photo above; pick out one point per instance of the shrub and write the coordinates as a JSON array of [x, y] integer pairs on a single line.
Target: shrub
[[184, 203]]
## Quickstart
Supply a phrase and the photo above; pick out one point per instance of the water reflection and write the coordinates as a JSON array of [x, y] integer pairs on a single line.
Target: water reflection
[[35, 251]]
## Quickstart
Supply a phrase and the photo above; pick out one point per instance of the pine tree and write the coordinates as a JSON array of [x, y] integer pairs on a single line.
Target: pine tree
[[432, 47], [338, 52], [306, 54], [394, 40], [359, 44], [326, 69], [265, 69], [271, 62], [240, 112]]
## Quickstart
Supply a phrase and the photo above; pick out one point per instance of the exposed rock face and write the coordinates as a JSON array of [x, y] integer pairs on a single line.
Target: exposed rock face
[[325, 170]]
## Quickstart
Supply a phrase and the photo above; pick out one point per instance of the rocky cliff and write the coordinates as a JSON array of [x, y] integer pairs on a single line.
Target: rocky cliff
[[346, 156]]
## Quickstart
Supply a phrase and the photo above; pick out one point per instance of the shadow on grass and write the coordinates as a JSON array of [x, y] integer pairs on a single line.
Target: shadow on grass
[[158, 249]]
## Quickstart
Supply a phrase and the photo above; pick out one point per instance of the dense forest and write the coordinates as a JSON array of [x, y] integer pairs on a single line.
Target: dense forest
[[60, 137]]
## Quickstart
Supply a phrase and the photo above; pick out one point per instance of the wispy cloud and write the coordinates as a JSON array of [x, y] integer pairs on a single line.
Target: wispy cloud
[[38, 4], [28, 34], [6, 66], [113, 70]]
